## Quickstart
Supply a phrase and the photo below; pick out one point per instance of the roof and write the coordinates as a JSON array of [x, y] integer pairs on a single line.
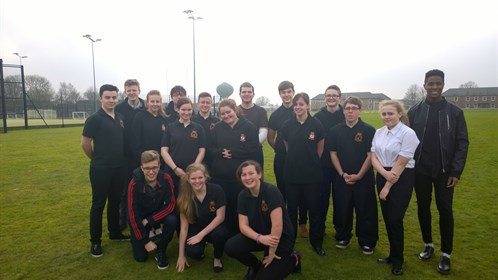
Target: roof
[[483, 91], [361, 95]]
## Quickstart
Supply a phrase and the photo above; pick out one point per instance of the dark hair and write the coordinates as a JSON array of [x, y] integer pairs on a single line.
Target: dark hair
[[285, 85], [247, 163], [302, 95], [246, 84], [203, 94], [178, 89], [336, 88], [434, 72], [353, 100], [182, 101], [107, 87], [132, 82]]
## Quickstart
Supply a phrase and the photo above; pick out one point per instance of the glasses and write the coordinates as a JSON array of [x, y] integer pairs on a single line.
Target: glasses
[[351, 108], [332, 96], [149, 169], [178, 94]]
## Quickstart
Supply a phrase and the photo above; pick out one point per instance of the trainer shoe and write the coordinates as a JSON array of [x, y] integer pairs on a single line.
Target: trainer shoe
[[161, 260], [303, 231], [444, 266], [427, 253], [367, 250], [119, 237], [343, 244], [96, 250]]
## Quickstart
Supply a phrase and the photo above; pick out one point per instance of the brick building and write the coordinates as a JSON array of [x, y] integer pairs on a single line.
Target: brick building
[[473, 98], [370, 101]]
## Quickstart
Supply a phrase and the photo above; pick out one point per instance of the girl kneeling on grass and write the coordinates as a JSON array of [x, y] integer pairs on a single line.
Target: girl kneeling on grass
[[202, 212]]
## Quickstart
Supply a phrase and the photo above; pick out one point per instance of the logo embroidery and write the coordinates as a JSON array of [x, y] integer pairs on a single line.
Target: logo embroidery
[[194, 134], [312, 135], [242, 137], [121, 123], [264, 206], [163, 128], [358, 137], [211, 126], [212, 206]]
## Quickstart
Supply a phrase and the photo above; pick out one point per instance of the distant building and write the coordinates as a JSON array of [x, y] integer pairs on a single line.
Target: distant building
[[370, 101], [473, 98]]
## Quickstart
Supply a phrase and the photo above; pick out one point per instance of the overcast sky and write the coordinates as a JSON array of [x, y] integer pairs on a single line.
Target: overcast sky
[[378, 46]]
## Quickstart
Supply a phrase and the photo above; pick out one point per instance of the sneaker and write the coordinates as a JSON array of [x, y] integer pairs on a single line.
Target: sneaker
[[162, 261], [96, 250], [119, 237], [297, 255], [367, 250], [343, 244], [444, 266], [427, 253], [303, 231]]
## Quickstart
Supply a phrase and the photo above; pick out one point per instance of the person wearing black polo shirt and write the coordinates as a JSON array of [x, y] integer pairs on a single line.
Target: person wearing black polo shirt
[[329, 115], [175, 94], [151, 203], [348, 145], [149, 126], [129, 108], [105, 129], [304, 139], [183, 143], [255, 114], [205, 118], [264, 226], [202, 211], [233, 141]]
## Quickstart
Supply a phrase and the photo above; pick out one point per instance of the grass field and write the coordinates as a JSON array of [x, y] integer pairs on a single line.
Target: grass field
[[45, 199]]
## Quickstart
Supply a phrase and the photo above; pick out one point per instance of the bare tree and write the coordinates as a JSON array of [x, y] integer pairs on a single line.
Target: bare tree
[[413, 94], [262, 101], [39, 89], [469, 84], [88, 94], [68, 93]]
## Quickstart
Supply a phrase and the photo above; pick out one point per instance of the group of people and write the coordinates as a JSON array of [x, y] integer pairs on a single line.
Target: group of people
[[202, 176]]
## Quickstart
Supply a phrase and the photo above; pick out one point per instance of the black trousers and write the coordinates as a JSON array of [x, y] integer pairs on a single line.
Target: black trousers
[[218, 237], [232, 190], [123, 204], [309, 194], [361, 198], [444, 203], [240, 247], [325, 192], [393, 211], [107, 185], [169, 224]]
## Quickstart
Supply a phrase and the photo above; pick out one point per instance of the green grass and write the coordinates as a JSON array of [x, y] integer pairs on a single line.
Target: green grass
[[45, 199]]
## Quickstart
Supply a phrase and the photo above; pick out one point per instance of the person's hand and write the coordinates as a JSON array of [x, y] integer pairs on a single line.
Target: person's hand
[[226, 154], [181, 263], [351, 179], [145, 222], [268, 259], [452, 182], [150, 246], [179, 172], [269, 240], [194, 239], [392, 177], [383, 193]]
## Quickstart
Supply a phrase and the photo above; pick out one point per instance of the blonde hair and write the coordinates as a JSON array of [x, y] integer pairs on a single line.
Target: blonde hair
[[186, 196], [149, 156], [399, 108], [157, 93]]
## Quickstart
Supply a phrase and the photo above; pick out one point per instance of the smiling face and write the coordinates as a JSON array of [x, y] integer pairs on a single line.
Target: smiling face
[[197, 180], [204, 105], [434, 87], [250, 178], [332, 98], [228, 115], [246, 95], [109, 100], [287, 95], [132, 92], [154, 103], [150, 170], [185, 111], [301, 108], [390, 115]]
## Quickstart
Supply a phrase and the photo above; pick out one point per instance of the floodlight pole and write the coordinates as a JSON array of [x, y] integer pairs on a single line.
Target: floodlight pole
[[191, 16], [89, 37], [20, 57]]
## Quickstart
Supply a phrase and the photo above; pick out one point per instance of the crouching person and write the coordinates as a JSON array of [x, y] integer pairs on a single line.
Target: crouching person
[[151, 203]]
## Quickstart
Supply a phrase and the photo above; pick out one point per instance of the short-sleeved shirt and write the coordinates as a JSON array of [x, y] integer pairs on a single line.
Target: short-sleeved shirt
[[257, 115], [258, 212], [129, 113], [352, 144], [328, 121], [277, 120], [206, 210], [302, 163], [184, 142], [207, 123], [108, 139], [148, 131], [389, 143]]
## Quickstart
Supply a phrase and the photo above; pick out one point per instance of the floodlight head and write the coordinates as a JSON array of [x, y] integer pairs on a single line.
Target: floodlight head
[[87, 36], [188, 11], [16, 53], [98, 40]]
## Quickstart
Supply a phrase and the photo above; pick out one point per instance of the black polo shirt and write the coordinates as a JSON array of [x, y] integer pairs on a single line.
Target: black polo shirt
[[148, 131], [107, 134], [256, 115], [258, 210], [206, 123], [351, 144], [328, 121], [184, 142], [277, 120], [129, 114], [206, 210], [302, 164]]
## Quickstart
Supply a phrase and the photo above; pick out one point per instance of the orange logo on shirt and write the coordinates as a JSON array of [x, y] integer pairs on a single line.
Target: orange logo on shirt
[[264, 206], [312, 135], [211, 126], [358, 137], [212, 206], [194, 134], [242, 137]]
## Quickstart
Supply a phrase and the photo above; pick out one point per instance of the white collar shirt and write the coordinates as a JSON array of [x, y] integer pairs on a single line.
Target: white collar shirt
[[388, 144]]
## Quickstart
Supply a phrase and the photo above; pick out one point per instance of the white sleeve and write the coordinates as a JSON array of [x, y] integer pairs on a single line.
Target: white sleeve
[[263, 132]]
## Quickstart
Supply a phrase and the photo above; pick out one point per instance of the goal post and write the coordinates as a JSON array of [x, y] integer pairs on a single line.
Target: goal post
[[80, 115]]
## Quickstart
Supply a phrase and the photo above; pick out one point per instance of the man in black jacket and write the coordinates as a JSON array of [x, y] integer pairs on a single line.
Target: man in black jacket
[[439, 162]]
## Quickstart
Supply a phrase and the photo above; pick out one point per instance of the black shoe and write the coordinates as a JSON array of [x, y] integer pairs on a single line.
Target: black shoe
[[444, 266], [218, 269], [427, 253], [119, 237], [96, 250], [252, 272], [384, 260], [297, 255], [367, 250], [161, 260], [343, 244], [319, 250], [397, 271]]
